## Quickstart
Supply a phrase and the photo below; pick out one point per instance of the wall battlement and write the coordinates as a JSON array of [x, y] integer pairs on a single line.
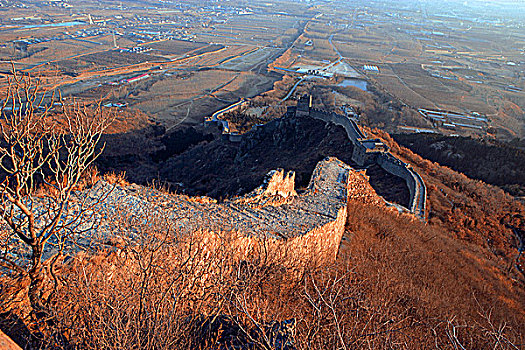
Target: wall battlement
[[307, 226], [366, 151]]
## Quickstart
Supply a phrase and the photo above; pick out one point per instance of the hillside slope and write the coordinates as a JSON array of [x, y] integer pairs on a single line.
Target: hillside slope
[[497, 163], [398, 282]]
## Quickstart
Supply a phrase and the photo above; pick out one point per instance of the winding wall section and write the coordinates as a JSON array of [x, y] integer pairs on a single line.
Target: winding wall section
[[391, 164], [386, 160]]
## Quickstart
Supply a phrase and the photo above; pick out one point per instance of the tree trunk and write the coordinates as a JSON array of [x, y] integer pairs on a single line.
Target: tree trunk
[[36, 276]]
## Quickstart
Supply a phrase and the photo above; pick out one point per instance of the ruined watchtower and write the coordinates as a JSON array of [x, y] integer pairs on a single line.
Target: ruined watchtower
[[303, 106], [366, 151]]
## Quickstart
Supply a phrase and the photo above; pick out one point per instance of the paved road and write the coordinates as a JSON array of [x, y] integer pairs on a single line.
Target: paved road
[[293, 89], [215, 115], [335, 48]]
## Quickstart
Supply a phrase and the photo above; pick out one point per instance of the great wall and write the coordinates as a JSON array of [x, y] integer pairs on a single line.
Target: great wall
[[366, 151], [310, 223], [369, 151]]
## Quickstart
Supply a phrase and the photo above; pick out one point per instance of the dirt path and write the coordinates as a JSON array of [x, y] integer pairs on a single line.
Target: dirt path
[[183, 119]]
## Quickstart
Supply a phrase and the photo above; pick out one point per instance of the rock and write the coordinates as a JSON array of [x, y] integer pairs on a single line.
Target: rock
[[7, 343]]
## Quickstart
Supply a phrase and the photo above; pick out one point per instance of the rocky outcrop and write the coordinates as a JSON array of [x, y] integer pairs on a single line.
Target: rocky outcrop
[[276, 183]]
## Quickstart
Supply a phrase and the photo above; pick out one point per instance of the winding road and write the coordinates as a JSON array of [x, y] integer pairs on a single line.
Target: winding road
[[293, 89]]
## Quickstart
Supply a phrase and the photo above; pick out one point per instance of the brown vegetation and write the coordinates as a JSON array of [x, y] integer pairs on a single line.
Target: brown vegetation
[[472, 211], [497, 163], [398, 283]]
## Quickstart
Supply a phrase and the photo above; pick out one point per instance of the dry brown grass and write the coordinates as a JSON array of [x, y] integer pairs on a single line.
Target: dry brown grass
[[397, 284], [431, 272], [114, 178]]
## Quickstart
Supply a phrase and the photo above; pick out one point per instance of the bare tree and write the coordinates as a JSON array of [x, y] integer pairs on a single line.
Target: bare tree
[[43, 148]]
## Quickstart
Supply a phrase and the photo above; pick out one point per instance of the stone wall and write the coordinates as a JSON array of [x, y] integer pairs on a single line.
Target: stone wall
[[278, 183], [386, 160], [311, 223], [321, 243], [352, 129], [414, 182], [398, 168], [320, 238]]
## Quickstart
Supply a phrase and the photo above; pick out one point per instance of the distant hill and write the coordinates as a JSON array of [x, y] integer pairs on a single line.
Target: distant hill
[[494, 162]]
